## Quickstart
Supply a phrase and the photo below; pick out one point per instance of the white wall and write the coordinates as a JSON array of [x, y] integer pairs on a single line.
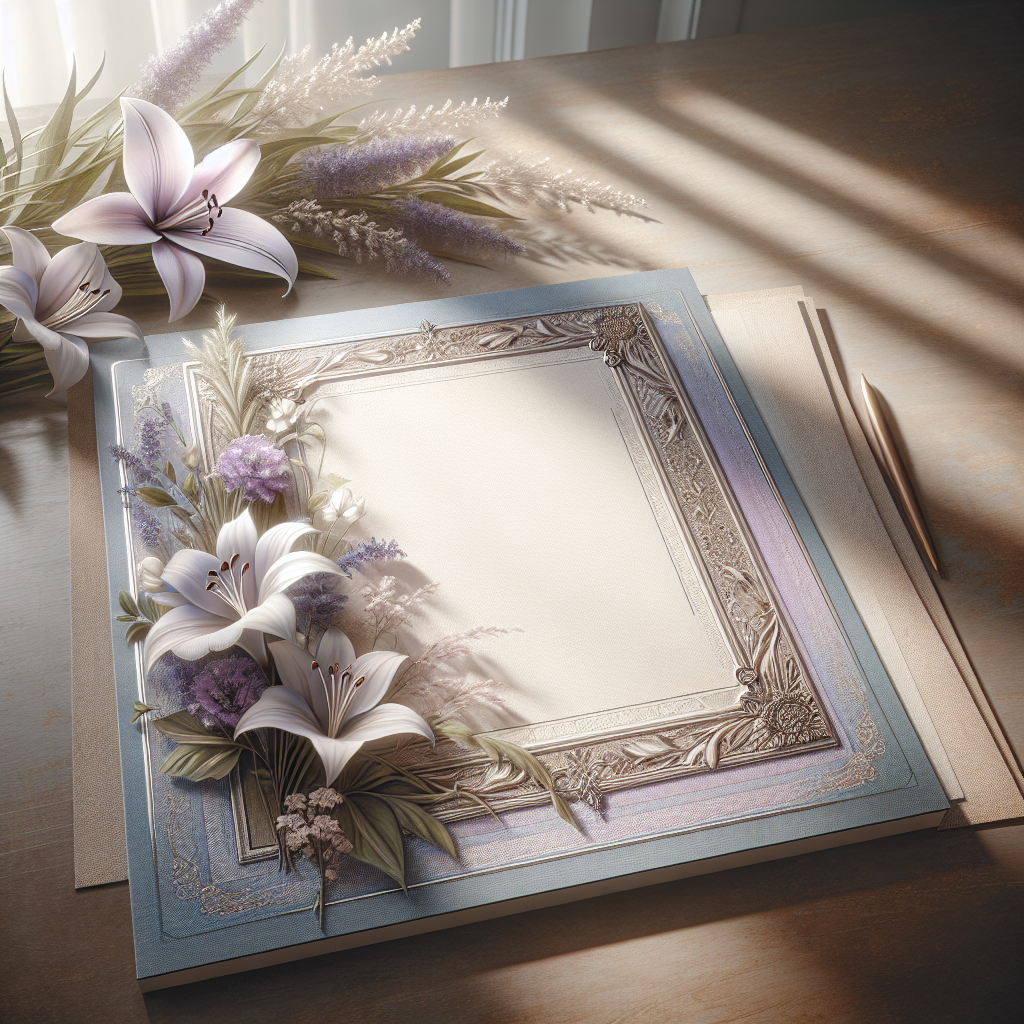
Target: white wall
[[38, 37]]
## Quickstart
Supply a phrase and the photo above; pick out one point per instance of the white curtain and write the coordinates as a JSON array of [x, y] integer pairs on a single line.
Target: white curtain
[[38, 38]]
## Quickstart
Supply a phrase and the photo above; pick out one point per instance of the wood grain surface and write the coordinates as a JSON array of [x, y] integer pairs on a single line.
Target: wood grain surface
[[877, 163]]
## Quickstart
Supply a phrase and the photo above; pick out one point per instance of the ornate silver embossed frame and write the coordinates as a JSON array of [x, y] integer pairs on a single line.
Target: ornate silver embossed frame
[[772, 711]]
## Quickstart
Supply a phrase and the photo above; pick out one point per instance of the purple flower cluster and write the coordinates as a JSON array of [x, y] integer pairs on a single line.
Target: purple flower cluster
[[368, 551], [151, 445], [139, 470], [317, 602], [225, 689], [332, 172], [147, 525], [255, 465], [167, 79], [440, 229]]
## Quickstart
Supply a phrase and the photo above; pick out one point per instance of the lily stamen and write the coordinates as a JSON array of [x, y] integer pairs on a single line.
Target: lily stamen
[[227, 584]]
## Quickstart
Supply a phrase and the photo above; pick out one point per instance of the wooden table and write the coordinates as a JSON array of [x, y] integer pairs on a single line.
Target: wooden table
[[877, 163]]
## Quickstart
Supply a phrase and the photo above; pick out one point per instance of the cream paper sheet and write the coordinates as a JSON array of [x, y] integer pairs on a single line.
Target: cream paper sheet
[[780, 349]]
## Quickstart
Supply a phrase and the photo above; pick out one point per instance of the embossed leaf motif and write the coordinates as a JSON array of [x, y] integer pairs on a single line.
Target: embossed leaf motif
[[647, 748]]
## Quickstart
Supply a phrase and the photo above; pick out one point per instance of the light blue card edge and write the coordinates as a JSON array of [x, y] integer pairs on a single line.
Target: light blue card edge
[[156, 956]]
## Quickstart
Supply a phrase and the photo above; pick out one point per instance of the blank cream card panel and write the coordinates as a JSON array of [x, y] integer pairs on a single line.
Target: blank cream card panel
[[517, 485]]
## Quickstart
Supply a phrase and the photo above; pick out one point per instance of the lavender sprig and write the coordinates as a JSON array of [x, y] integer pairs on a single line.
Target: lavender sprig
[[151, 446], [355, 235], [335, 171], [440, 229], [368, 551], [167, 79], [317, 603], [141, 472]]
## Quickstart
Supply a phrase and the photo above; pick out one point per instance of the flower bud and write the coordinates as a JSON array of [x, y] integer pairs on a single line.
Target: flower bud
[[150, 570], [190, 457]]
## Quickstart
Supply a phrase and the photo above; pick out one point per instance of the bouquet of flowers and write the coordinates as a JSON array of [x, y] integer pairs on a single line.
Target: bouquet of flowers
[[257, 644], [159, 183]]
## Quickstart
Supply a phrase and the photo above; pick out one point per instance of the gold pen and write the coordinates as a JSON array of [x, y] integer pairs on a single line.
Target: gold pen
[[899, 479]]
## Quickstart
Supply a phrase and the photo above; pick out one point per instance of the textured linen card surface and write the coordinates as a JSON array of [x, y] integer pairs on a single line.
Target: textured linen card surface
[[673, 674]]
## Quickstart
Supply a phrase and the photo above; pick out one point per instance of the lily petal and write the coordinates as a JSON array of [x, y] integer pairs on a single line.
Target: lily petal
[[112, 219], [68, 363], [72, 267], [175, 628], [295, 667], [105, 325], [276, 543], [224, 172], [183, 275], [188, 571], [18, 293], [291, 568], [27, 252], [158, 158], [238, 537], [113, 290], [275, 616], [383, 721], [282, 708], [335, 649], [245, 240], [377, 668]]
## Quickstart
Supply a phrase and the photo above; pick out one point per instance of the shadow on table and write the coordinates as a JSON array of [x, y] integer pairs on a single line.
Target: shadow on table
[[891, 927]]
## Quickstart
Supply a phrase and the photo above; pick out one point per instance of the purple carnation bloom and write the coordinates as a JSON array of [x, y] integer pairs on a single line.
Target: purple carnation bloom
[[335, 171], [225, 689], [254, 464]]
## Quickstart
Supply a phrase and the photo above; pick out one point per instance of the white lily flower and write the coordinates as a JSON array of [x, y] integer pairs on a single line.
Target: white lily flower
[[284, 414], [60, 301], [234, 596], [178, 206], [149, 575], [333, 700], [343, 504]]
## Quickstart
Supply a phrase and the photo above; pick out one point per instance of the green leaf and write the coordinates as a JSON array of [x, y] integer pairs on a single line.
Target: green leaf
[[502, 750], [422, 823], [12, 122], [137, 632], [196, 763], [464, 204], [87, 88], [169, 472], [127, 602], [155, 496], [149, 607], [54, 136], [181, 727], [126, 618], [455, 165], [373, 830], [140, 709]]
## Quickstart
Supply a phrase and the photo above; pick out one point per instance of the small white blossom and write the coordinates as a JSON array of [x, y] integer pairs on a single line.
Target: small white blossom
[[284, 414], [343, 504], [149, 575]]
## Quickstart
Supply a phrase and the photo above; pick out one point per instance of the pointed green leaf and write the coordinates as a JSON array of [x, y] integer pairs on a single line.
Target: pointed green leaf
[[464, 204], [137, 632], [197, 763], [155, 496], [87, 88], [421, 823], [127, 602], [181, 727], [55, 135], [374, 833]]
